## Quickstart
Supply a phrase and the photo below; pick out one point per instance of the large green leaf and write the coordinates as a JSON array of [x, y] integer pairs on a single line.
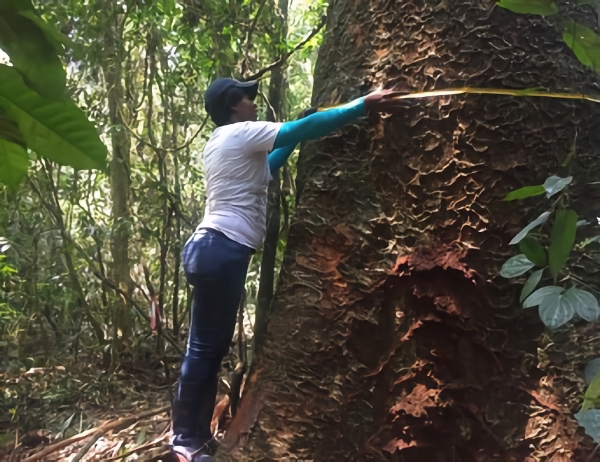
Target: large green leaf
[[590, 421], [556, 310], [527, 191], [586, 305], [531, 284], [584, 42], [14, 162], [9, 129], [33, 50], [555, 184], [516, 266], [562, 240], [537, 222], [58, 130], [533, 250], [541, 7]]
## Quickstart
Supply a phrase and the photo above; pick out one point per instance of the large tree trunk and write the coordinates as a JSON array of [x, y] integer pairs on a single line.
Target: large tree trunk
[[390, 330]]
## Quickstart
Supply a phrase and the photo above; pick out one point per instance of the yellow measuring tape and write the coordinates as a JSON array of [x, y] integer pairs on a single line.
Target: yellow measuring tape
[[488, 91]]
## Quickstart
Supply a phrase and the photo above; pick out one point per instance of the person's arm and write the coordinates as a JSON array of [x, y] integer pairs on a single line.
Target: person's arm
[[279, 156], [318, 124]]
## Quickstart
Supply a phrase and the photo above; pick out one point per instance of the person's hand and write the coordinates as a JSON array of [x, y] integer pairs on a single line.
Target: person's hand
[[384, 101]]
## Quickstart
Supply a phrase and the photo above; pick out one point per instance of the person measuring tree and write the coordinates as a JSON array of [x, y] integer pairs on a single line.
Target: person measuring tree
[[239, 158]]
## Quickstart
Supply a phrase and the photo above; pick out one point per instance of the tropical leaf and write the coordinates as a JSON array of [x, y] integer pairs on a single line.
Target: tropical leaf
[[516, 266], [555, 184], [584, 42], [58, 130], [592, 369], [531, 284], [541, 7], [538, 296], [14, 163], [538, 221], [523, 193], [562, 240], [32, 53], [9, 129], [556, 310], [586, 305], [533, 250]]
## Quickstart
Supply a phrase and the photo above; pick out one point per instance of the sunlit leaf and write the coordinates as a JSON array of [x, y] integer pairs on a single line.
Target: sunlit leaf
[[541, 7], [586, 305], [533, 250], [589, 242], [14, 162], [538, 221], [556, 310], [590, 421], [9, 129], [32, 53], [516, 266], [562, 240], [584, 42], [592, 394], [531, 284], [555, 184], [527, 191], [592, 369], [538, 296], [58, 130], [582, 223]]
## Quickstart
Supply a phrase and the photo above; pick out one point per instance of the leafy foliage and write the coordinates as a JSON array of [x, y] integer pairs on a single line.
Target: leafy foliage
[[58, 130], [584, 42], [33, 50], [534, 224], [562, 240], [525, 192], [33, 102], [590, 421], [541, 7], [557, 304], [531, 284], [533, 250], [516, 266]]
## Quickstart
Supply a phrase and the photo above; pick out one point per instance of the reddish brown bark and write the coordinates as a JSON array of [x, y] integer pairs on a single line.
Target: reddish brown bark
[[391, 337]]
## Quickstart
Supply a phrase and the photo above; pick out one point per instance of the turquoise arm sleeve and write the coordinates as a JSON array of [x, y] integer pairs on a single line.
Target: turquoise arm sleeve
[[279, 156], [318, 124]]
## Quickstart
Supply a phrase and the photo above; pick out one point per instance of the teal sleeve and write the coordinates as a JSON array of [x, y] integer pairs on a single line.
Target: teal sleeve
[[318, 124], [279, 156]]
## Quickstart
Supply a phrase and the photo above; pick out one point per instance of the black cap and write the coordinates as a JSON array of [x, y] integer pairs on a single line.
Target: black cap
[[213, 98]]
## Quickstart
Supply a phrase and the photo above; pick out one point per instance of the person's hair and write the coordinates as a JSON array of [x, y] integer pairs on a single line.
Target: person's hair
[[230, 98]]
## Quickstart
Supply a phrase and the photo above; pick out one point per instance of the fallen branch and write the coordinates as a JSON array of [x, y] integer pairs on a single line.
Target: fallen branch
[[284, 57], [137, 449], [96, 432], [83, 451]]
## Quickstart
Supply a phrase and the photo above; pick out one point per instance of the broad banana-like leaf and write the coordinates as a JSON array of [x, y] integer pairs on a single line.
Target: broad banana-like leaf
[[55, 129], [33, 47], [14, 162]]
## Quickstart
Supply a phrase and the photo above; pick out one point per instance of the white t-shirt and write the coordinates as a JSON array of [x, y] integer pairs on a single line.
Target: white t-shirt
[[237, 177]]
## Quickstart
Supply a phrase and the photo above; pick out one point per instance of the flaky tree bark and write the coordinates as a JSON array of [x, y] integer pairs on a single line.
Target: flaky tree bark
[[391, 337]]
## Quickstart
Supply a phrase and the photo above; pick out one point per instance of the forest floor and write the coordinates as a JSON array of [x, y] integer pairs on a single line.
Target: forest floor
[[82, 413]]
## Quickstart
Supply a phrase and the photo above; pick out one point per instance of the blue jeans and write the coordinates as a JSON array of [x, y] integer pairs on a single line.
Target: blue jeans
[[216, 267]]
